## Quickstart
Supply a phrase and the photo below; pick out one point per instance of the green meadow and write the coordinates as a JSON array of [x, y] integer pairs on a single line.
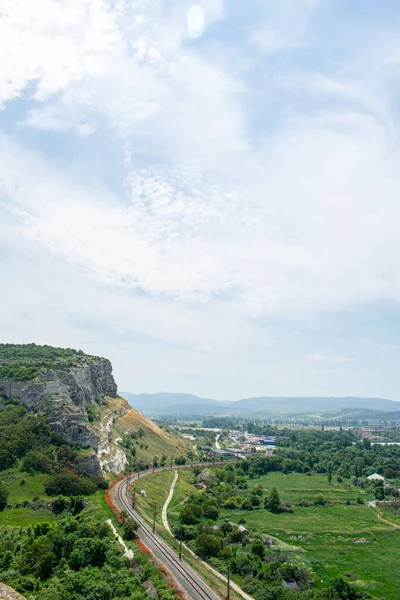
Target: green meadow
[[337, 539]]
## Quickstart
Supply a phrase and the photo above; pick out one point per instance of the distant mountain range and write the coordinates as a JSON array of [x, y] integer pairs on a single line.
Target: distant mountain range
[[164, 403]]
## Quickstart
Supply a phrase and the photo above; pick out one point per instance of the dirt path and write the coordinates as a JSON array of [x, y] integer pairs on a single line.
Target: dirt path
[[128, 553], [166, 504], [217, 442], [386, 521], [234, 586], [373, 504]]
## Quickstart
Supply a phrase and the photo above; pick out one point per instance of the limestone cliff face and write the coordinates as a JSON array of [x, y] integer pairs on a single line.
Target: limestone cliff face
[[63, 396]]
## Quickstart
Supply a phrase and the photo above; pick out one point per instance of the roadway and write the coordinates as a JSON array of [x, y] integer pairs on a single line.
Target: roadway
[[189, 582]]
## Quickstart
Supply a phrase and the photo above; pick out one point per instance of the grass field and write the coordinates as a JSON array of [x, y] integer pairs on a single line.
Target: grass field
[[33, 487], [330, 534], [23, 487]]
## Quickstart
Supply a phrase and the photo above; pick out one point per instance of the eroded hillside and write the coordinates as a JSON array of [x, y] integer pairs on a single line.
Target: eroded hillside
[[129, 438]]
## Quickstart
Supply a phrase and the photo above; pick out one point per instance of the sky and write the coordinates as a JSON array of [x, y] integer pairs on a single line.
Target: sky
[[207, 194]]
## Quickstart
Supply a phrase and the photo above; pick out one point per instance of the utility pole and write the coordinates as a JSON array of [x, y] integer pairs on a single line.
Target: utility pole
[[171, 461], [134, 498], [153, 465], [180, 545], [228, 595], [154, 519]]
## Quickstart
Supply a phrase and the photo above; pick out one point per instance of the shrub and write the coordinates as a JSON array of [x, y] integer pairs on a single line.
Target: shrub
[[273, 501], [258, 548], [35, 462], [304, 503], [69, 484], [130, 528], [211, 512], [190, 514], [319, 500], [74, 504], [208, 545], [3, 496]]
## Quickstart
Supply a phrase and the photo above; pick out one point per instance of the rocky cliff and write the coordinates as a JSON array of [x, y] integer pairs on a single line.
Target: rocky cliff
[[64, 396]]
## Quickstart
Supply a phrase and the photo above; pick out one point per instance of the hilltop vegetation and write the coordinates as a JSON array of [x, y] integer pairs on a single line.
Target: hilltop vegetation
[[24, 362]]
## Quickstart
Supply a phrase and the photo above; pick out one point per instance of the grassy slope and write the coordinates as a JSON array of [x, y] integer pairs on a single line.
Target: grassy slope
[[32, 488], [158, 440]]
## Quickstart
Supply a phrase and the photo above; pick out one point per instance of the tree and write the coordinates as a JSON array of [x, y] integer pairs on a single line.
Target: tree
[[208, 545], [330, 472], [210, 512], [3, 496], [258, 548], [69, 484], [379, 492], [35, 461], [273, 501], [190, 514], [130, 528]]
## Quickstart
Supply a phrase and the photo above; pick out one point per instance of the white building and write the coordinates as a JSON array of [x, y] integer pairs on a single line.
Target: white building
[[376, 477]]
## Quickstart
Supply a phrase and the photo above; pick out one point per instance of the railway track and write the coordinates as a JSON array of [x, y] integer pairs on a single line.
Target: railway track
[[192, 584]]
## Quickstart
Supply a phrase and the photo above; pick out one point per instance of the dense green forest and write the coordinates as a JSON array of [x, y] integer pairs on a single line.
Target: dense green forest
[[24, 362], [74, 558]]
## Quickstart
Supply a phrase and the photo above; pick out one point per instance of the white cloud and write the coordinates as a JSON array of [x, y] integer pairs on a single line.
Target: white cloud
[[218, 225], [286, 24], [327, 359]]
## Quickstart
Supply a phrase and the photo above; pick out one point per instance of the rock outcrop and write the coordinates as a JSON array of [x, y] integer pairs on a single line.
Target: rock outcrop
[[64, 396], [7, 593]]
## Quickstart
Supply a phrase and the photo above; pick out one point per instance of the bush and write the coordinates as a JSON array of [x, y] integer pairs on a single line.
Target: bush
[[101, 483], [69, 484], [304, 503], [319, 500], [3, 496], [208, 545], [130, 528], [258, 548], [36, 462], [273, 501], [188, 532], [74, 504], [211, 512], [190, 514]]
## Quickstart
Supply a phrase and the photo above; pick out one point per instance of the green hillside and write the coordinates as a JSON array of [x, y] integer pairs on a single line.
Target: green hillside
[[23, 362]]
